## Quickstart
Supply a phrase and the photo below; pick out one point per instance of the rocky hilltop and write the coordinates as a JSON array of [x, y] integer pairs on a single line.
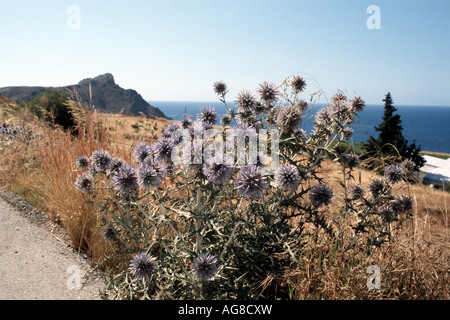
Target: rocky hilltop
[[106, 95]]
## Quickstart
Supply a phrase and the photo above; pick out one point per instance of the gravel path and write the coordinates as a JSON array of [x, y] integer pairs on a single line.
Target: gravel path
[[36, 262]]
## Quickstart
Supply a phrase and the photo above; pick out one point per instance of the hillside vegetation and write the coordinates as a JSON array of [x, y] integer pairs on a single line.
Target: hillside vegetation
[[40, 166]]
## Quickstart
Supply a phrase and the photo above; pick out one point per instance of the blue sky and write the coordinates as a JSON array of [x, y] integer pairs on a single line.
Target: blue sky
[[175, 50]]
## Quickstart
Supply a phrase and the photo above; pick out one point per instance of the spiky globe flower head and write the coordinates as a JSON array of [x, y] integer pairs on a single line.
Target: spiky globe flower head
[[82, 162], [226, 119], [302, 105], [163, 149], [387, 213], [300, 134], [393, 173], [346, 133], [245, 102], [350, 160], [356, 192], [110, 233], [185, 123], [377, 187], [340, 110], [142, 266], [252, 182], [141, 151], [357, 105], [170, 129], [217, 173], [320, 194], [289, 118], [84, 182], [208, 115], [409, 166], [204, 267], [268, 92], [323, 117], [403, 204], [125, 180], [339, 96], [116, 164], [149, 176], [220, 88], [101, 160], [287, 177], [298, 84]]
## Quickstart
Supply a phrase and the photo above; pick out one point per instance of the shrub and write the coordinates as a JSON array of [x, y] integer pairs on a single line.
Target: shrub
[[194, 218]]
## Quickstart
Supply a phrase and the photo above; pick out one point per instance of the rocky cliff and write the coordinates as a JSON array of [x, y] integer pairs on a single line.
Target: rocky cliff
[[106, 96]]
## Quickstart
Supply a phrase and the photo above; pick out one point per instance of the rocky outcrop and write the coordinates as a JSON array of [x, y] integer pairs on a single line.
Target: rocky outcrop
[[102, 92]]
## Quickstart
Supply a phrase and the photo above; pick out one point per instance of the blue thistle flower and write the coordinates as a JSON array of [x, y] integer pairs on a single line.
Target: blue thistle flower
[[82, 162], [208, 116], [356, 192], [217, 173], [84, 182], [403, 203], [245, 102], [289, 118], [220, 88], [141, 152], [393, 173], [142, 266], [268, 92], [150, 176], [163, 149], [320, 194], [252, 182], [125, 180], [205, 267], [377, 187], [287, 177], [101, 160]]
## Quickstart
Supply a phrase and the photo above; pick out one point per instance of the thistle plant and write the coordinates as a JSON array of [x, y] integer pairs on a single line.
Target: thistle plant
[[194, 217]]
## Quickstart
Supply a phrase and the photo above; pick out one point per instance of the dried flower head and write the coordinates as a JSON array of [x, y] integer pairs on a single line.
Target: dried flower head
[[142, 266], [298, 84], [357, 104], [252, 182], [287, 177], [208, 115], [226, 119], [84, 182], [268, 92], [289, 118], [245, 101], [220, 88], [82, 162], [101, 160], [205, 267], [393, 173], [346, 133], [323, 117], [320, 194]]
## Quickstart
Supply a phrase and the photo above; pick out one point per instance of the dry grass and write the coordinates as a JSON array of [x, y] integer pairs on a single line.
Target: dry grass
[[416, 265]]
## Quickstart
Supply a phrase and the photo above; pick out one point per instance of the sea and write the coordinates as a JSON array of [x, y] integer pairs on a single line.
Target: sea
[[427, 126]]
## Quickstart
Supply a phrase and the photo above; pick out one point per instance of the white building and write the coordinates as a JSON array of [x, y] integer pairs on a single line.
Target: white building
[[435, 172]]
